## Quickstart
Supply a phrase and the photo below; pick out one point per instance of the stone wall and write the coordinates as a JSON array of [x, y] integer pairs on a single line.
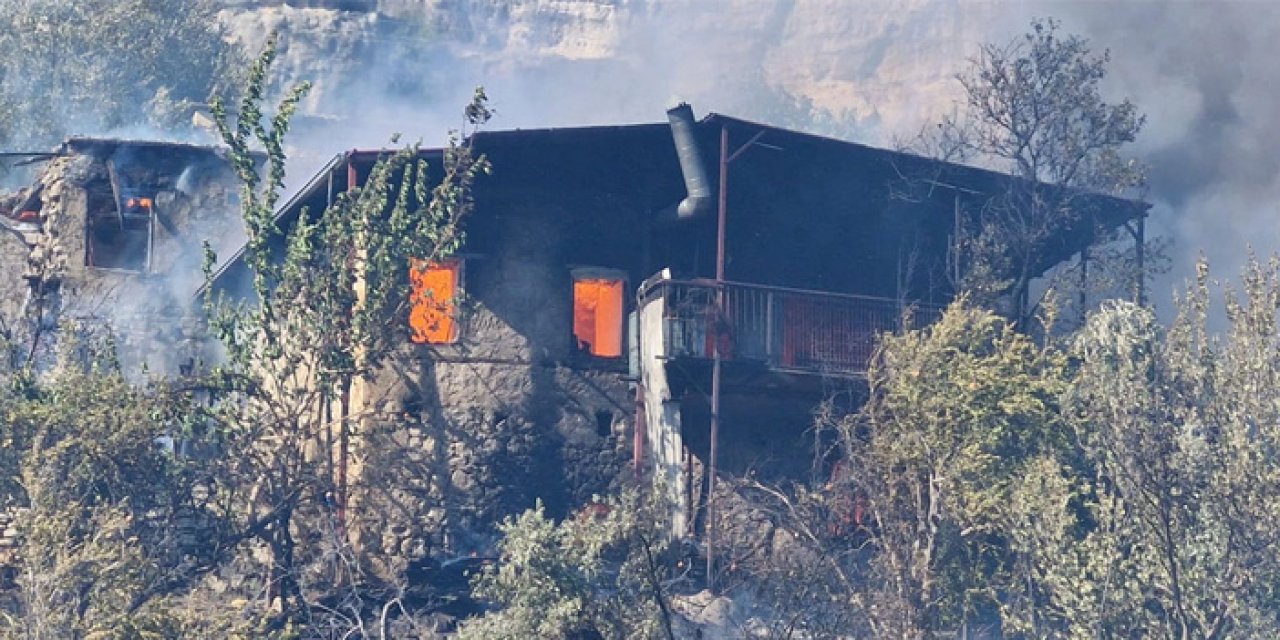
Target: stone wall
[[451, 438], [510, 415]]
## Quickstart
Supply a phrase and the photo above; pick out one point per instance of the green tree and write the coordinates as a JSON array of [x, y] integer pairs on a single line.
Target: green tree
[[95, 497], [908, 537], [955, 413], [1175, 530], [599, 574], [1121, 483], [329, 310], [74, 66]]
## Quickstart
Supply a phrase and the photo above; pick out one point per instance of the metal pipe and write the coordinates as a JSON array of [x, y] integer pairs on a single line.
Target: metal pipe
[[698, 200], [955, 243], [768, 326], [638, 440], [1141, 250], [352, 174], [151, 234], [115, 192], [687, 458], [328, 202], [724, 203], [717, 362]]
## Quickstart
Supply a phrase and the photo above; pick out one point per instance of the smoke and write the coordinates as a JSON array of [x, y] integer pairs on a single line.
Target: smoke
[[1204, 74], [866, 71], [869, 71]]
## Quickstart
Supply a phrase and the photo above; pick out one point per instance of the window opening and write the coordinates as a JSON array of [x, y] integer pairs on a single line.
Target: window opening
[[597, 316], [28, 210], [604, 423], [120, 236], [118, 230], [432, 312]]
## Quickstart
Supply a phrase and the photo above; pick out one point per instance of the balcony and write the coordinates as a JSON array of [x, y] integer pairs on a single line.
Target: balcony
[[785, 330]]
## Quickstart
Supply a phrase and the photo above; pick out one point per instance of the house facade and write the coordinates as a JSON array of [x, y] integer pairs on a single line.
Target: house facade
[[621, 285]]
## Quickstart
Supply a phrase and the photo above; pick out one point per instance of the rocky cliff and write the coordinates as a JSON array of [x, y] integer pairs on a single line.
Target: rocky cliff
[[864, 70]]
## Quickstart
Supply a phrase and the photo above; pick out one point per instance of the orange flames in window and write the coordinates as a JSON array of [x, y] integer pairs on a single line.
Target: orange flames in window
[[597, 316], [431, 299]]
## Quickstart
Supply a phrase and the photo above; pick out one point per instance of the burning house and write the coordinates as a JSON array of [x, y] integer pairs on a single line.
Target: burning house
[[109, 236], [670, 296]]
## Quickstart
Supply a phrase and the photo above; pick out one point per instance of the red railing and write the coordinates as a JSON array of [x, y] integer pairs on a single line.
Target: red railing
[[790, 329]]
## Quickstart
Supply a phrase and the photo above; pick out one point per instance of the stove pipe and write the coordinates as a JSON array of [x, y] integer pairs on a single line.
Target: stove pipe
[[699, 199]]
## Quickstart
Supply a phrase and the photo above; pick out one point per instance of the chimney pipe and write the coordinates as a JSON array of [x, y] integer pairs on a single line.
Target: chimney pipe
[[699, 200]]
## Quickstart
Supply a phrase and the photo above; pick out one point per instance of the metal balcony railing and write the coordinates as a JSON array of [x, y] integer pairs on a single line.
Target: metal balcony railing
[[787, 329]]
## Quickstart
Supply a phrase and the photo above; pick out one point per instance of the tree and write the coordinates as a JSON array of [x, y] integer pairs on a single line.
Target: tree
[[1034, 109], [954, 414], [597, 575], [330, 307], [907, 537], [107, 64], [1170, 519], [96, 498]]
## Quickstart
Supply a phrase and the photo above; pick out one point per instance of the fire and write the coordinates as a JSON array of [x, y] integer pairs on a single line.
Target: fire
[[431, 299], [597, 316]]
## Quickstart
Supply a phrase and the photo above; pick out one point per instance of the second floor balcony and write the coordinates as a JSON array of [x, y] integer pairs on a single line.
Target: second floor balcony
[[786, 330]]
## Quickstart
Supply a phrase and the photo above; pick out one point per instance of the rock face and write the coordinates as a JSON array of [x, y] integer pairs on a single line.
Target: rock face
[[865, 70]]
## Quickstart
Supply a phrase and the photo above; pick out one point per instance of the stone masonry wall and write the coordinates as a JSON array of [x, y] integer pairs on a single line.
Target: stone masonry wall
[[510, 415]]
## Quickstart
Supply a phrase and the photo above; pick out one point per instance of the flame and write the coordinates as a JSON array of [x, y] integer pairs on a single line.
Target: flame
[[431, 312], [597, 316]]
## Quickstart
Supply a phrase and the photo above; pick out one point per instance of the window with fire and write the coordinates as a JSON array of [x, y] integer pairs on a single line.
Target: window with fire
[[598, 313], [120, 234], [432, 306], [598, 307]]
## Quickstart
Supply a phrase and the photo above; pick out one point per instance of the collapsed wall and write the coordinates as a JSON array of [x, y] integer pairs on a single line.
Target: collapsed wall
[[109, 238]]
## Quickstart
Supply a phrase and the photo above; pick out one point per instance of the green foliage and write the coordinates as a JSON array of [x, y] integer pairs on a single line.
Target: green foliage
[[106, 64], [95, 494], [956, 411], [342, 276], [594, 575], [1179, 432], [1122, 484], [1037, 107], [330, 307]]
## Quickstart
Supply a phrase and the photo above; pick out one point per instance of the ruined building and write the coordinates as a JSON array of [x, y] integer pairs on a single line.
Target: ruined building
[[621, 280], [109, 237]]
